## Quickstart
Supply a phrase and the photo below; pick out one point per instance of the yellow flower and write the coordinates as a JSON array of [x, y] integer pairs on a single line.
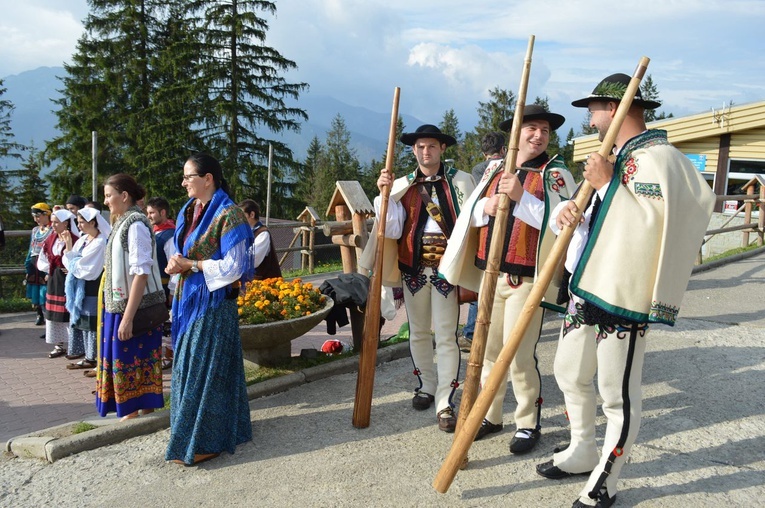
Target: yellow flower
[[276, 299]]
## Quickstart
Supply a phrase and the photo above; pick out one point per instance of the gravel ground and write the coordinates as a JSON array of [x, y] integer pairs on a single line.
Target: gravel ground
[[701, 444]]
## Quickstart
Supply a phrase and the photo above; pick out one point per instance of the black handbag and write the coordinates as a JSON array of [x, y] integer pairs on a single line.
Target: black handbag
[[150, 318]]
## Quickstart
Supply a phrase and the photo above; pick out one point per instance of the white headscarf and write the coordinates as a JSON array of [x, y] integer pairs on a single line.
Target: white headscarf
[[89, 214], [65, 215]]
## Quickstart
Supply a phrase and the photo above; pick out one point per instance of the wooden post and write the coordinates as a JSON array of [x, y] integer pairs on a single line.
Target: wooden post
[[348, 256], [761, 221], [747, 215]]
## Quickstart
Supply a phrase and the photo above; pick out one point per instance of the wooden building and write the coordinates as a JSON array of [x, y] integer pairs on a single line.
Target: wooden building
[[726, 145]]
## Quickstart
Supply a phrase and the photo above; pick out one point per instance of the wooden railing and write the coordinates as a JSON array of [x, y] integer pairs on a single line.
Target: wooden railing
[[754, 199]]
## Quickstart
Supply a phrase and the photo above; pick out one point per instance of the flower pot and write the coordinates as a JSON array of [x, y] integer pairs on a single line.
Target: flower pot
[[269, 343]]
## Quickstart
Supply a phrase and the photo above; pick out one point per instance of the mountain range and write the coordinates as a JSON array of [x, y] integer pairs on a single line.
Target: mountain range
[[33, 121]]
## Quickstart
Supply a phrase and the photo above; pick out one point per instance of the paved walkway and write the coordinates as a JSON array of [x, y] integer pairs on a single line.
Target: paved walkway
[[702, 441], [37, 392]]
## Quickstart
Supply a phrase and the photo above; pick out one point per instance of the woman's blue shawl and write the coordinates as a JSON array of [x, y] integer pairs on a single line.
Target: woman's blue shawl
[[222, 226]]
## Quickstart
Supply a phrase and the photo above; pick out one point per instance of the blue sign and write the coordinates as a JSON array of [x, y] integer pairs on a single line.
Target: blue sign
[[700, 161]]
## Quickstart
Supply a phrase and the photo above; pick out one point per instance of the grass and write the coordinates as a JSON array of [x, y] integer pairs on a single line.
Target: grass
[[732, 252], [336, 266], [79, 428]]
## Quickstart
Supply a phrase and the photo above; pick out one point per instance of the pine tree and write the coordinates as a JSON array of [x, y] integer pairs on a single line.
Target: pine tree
[[650, 91], [338, 163], [8, 147], [490, 114], [305, 176], [450, 125], [31, 188], [246, 92]]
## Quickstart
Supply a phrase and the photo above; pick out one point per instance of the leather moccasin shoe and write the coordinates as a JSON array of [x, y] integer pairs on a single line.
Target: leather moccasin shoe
[[422, 401], [447, 421], [553, 472], [488, 428], [524, 440]]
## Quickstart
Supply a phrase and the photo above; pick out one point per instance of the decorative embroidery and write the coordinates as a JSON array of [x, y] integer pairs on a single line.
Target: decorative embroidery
[[663, 313], [649, 190], [415, 282], [555, 181], [441, 285], [629, 171], [621, 331], [574, 317]]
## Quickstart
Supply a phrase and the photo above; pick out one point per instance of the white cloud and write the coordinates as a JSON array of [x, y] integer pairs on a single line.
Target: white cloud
[[37, 33]]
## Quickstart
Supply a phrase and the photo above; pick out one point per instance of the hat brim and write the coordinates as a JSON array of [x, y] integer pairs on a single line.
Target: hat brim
[[410, 138], [555, 120], [584, 102]]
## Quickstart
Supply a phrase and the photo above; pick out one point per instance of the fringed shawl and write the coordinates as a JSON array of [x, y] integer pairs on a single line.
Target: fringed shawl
[[221, 226]]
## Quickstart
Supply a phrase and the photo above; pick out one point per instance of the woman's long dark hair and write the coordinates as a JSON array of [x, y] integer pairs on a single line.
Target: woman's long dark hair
[[205, 163]]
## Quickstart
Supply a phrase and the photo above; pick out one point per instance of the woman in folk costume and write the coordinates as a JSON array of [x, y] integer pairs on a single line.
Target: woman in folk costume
[[209, 411], [129, 376], [534, 191], [630, 258], [35, 279], [84, 260], [422, 209], [57, 329]]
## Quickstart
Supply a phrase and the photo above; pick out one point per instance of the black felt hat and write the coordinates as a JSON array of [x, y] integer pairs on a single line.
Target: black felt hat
[[427, 131], [612, 88], [76, 200], [535, 112]]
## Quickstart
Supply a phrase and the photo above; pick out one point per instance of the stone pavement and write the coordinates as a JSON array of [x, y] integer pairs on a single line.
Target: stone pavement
[[702, 441], [37, 392]]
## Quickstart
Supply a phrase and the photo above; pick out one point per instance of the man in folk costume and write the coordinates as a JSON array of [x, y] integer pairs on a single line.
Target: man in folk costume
[[422, 210], [630, 258], [263, 250], [540, 184]]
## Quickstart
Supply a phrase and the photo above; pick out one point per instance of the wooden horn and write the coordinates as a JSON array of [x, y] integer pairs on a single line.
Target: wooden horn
[[362, 405], [466, 434], [489, 282]]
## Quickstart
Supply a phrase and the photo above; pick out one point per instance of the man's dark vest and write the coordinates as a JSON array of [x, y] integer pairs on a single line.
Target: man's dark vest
[[269, 268], [162, 238]]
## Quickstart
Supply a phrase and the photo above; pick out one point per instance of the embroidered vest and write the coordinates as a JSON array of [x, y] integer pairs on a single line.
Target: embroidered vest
[[117, 263], [520, 243]]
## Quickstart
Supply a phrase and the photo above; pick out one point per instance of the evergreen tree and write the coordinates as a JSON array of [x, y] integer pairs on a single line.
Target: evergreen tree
[[246, 91], [305, 176], [338, 163], [650, 91], [8, 147], [500, 107], [32, 187], [450, 125]]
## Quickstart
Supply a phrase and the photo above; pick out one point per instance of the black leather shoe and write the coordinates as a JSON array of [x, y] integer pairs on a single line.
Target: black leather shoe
[[39, 321], [553, 472], [447, 420], [488, 428], [603, 502], [422, 401], [524, 440]]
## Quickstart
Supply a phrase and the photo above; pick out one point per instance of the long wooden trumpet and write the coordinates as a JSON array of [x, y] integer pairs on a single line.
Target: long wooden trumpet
[[489, 282], [466, 434], [362, 405]]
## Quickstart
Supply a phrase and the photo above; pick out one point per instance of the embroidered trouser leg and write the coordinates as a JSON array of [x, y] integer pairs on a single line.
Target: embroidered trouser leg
[[425, 307], [617, 357], [524, 372]]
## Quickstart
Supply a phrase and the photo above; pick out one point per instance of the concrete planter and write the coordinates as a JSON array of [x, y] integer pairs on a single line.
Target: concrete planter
[[269, 343]]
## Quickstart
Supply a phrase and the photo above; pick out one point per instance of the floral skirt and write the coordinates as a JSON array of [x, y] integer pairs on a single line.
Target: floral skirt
[[209, 409], [129, 374]]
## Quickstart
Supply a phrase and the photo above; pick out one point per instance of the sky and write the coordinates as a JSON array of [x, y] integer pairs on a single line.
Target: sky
[[449, 54]]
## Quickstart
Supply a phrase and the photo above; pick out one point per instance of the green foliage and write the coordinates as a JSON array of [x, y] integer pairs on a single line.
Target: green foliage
[[450, 125], [12, 304], [160, 80], [336, 161]]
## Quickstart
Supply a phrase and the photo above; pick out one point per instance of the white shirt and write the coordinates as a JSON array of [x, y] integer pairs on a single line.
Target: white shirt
[[90, 251], [529, 209], [581, 233]]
